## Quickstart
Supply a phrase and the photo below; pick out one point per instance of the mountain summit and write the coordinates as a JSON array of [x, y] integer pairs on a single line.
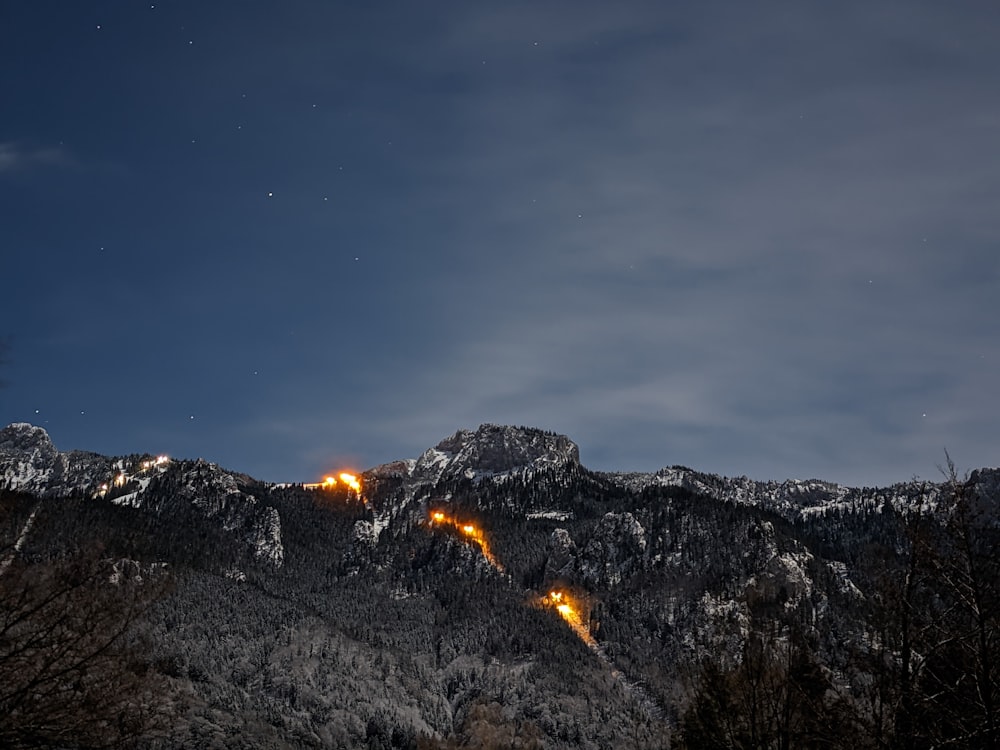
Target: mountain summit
[[495, 450], [29, 462]]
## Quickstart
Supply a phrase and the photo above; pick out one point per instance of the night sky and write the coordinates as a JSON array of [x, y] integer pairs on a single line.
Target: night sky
[[751, 238]]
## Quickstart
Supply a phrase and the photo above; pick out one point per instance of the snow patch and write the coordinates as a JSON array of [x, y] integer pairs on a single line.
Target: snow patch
[[552, 515]]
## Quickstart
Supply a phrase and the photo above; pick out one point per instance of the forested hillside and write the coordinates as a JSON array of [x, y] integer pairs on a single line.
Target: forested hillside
[[491, 593]]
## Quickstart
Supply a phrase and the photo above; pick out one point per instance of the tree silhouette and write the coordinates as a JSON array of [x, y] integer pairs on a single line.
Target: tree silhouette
[[70, 671]]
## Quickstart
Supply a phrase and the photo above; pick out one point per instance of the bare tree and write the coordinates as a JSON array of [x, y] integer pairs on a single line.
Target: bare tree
[[961, 673], [933, 665], [777, 698], [70, 674]]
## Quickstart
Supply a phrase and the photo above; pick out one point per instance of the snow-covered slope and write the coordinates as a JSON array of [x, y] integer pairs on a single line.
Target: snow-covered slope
[[30, 463], [794, 499]]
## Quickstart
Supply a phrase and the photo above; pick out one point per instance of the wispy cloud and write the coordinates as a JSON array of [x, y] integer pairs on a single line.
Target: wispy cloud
[[732, 229], [754, 238], [15, 157]]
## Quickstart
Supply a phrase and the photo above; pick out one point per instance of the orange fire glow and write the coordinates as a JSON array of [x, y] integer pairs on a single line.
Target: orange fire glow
[[469, 530], [351, 481], [563, 604], [329, 482]]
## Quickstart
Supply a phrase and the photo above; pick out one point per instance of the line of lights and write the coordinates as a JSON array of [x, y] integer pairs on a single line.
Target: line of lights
[[469, 531], [121, 478]]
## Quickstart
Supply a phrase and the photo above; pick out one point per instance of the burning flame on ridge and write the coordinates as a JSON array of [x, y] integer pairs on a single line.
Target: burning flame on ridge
[[351, 481], [564, 605], [329, 482], [470, 531]]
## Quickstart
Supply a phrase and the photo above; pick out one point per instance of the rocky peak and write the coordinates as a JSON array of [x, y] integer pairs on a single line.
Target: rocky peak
[[29, 462], [496, 449], [23, 440]]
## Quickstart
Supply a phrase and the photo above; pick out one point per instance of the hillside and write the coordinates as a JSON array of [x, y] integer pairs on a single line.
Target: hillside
[[493, 592]]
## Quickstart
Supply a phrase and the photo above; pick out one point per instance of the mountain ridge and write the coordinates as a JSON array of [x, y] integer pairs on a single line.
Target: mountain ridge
[[495, 592], [30, 461]]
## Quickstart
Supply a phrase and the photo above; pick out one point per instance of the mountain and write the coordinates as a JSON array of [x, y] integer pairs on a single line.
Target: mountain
[[793, 499], [494, 592], [496, 451], [30, 463]]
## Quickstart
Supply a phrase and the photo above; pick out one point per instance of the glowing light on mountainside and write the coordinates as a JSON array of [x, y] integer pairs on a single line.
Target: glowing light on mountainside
[[124, 475], [351, 481], [568, 609], [470, 531]]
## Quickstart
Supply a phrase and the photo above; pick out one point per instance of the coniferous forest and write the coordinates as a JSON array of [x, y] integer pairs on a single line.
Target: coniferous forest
[[493, 594]]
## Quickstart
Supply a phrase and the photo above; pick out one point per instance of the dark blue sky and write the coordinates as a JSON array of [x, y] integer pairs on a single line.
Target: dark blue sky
[[755, 239]]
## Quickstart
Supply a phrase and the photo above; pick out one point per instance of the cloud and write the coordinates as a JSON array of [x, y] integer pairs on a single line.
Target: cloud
[[16, 157], [756, 242], [749, 238]]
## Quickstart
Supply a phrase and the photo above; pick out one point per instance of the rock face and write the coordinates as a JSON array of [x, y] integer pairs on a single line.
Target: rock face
[[561, 561], [616, 548], [29, 462], [494, 450], [221, 497]]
